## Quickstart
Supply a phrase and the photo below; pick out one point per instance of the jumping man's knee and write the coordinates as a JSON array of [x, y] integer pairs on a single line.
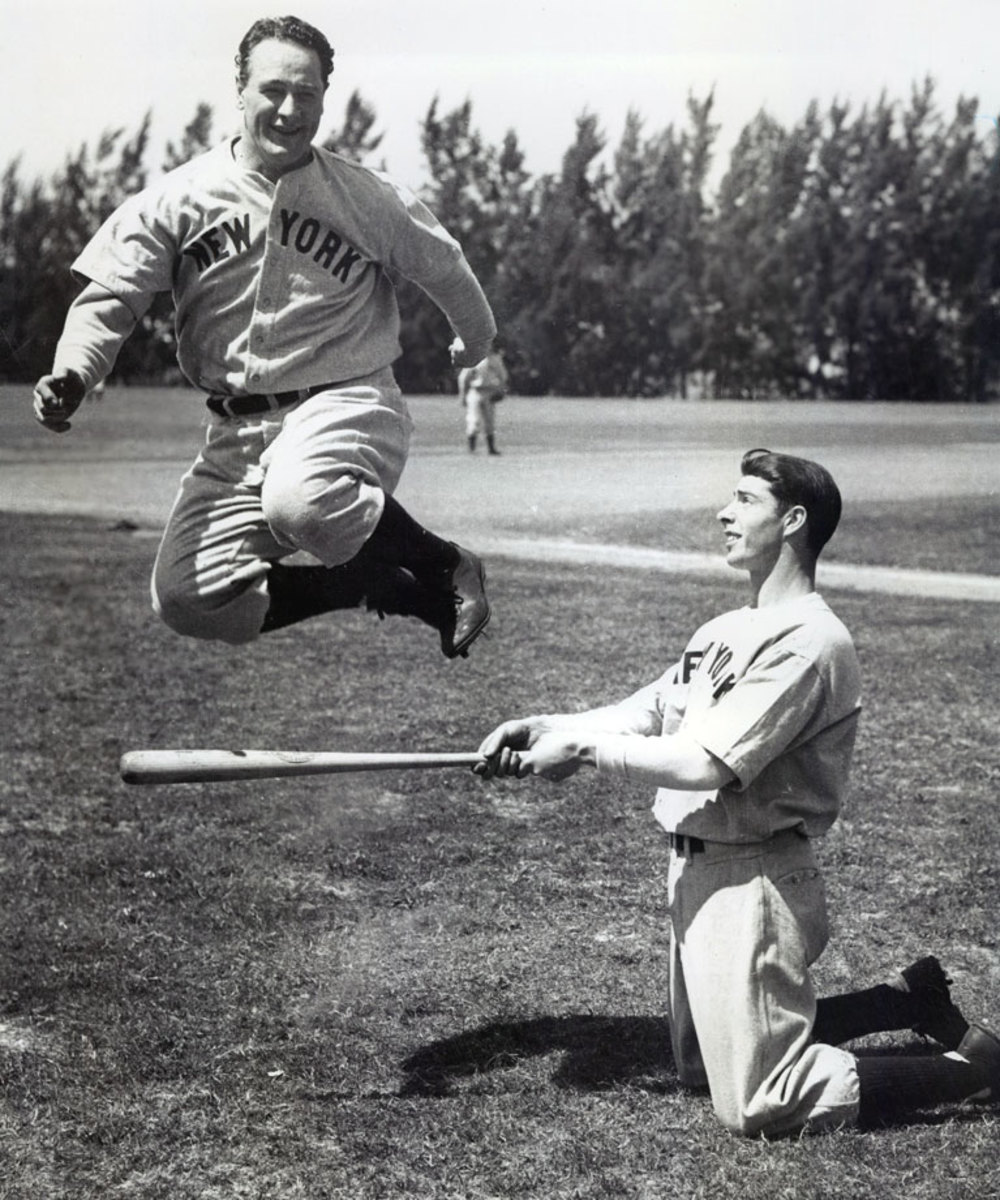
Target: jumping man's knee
[[236, 620], [330, 517]]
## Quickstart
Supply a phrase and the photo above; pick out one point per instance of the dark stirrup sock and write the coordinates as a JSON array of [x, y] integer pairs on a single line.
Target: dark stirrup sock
[[397, 538], [297, 593], [854, 1014], [891, 1086]]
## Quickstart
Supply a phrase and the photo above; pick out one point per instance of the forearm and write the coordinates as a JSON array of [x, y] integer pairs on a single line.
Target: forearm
[[96, 326], [675, 761], [556, 745], [462, 300], [611, 719]]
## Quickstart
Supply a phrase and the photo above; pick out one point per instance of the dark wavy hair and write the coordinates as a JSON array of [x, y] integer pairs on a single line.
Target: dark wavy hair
[[284, 29], [799, 481]]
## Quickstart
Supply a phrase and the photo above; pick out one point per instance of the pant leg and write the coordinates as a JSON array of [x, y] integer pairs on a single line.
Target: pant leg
[[328, 471], [748, 922], [475, 406], [312, 479], [209, 579], [489, 418], [683, 1036]]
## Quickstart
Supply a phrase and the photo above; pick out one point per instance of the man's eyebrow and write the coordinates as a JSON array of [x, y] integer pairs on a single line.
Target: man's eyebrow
[[278, 81]]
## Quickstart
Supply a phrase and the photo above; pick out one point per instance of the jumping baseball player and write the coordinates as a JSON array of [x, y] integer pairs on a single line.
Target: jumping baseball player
[[279, 257], [749, 739], [480, 389]]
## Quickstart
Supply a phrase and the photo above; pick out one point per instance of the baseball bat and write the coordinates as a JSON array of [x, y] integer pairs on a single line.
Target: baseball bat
[[217, 766]]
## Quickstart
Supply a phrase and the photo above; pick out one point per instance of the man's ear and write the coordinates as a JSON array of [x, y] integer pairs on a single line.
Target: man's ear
[[795, 519]]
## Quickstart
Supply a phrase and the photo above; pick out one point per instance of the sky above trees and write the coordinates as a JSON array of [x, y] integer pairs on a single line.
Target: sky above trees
[[848, 255], [530, 65]]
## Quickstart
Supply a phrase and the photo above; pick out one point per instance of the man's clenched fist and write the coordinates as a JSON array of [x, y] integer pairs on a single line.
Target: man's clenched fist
[[56, 399]]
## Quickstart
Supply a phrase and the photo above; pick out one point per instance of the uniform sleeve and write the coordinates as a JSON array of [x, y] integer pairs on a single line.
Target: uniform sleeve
[[96, 326], [131, 255], [763, 714], [463, 301], [425, 253]]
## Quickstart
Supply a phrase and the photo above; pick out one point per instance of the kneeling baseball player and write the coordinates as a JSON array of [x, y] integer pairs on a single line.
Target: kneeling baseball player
[[278, 255], [748, 740]]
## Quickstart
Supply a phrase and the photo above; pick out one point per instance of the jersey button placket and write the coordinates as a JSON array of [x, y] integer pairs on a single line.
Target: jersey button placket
[[271, 295]]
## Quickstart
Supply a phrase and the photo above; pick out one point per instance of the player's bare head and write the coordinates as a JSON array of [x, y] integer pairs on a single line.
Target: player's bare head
[[799, 481], [283, 29]]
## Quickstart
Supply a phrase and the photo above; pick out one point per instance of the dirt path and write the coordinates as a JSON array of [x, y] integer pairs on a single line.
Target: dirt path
[[564, 460], [940, 585]]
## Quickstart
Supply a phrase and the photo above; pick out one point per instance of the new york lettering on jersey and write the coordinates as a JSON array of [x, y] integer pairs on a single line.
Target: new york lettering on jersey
[[712, 668], [306, 235], [331, 252], [220, 242]]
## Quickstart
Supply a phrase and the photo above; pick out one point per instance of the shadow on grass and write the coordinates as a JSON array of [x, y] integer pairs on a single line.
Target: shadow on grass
[[597, 1053]]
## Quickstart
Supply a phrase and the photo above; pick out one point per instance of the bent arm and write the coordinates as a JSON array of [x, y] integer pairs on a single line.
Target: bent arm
[[557, 751], [463, 301], [675, 761], [97, 325], [556, 745]]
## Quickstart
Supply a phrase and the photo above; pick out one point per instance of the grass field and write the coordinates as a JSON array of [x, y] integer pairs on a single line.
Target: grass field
[[417, 985]]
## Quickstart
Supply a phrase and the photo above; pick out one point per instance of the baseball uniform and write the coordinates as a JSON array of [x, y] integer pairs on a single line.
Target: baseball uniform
[[282, 290], [772, 692], [480, 387]]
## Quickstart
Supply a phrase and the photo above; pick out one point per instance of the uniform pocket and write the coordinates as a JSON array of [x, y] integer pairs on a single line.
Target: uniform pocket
[[804, 894]]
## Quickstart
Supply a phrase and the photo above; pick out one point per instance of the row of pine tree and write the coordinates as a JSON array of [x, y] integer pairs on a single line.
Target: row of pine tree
[[855, 255]]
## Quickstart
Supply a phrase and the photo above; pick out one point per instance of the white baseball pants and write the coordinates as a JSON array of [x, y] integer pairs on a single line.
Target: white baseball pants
[[746, 923], [310, 478], [479, 416]]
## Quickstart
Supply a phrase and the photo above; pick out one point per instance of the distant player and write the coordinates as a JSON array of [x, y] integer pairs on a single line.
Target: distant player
[[279, 256], [749, 740], [481, 388]]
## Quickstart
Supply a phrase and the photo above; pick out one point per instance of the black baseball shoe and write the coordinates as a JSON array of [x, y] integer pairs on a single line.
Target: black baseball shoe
[[456, 615], [470, 609], [939, 1018], [981, 1047], [394, 591]]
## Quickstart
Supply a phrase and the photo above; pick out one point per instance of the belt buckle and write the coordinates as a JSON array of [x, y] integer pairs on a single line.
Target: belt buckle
[[224, 403]]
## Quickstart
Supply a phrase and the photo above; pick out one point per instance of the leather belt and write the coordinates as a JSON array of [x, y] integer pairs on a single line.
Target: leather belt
[[684, 844], [253, 405]]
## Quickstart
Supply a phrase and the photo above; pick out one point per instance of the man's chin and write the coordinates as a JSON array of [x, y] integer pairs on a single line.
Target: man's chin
[[283, 156]]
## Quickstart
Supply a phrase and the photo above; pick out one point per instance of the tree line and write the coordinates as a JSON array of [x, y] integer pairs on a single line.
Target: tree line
[[855, 255]]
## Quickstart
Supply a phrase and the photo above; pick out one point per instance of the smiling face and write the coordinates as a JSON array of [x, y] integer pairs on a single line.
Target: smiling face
[[282, 103], [754, 525]]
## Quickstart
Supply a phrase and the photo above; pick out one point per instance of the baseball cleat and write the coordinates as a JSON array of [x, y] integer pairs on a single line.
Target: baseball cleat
[[394, 591], [470, 612], [939, 1017], [981, 1047]]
